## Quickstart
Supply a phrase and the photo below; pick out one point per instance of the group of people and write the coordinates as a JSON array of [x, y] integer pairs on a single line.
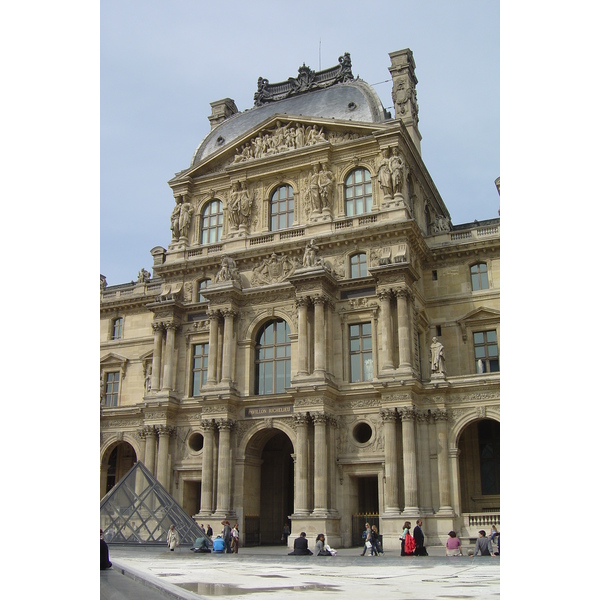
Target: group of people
[[484, 545], [371, 540], [228, 541], [321, 548]]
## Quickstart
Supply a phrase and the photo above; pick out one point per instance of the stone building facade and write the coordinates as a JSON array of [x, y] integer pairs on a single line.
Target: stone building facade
[[319, 344]]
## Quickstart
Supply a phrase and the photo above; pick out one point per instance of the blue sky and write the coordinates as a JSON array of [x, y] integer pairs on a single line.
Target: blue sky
[[162, 63]]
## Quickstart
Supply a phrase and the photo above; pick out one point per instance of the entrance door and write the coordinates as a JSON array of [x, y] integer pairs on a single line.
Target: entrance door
[[120, 460], [367, 492]]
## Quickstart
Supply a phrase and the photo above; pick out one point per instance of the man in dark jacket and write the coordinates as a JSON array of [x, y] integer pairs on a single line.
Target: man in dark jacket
[[301, 545], [483, 545], [227, 536], [420, 549]]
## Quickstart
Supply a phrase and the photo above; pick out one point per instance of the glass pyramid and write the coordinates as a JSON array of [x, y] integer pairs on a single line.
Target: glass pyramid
[[138, 510]]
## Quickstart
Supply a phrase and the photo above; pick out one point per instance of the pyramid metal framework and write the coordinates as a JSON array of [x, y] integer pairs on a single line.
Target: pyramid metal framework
[[138, 510]]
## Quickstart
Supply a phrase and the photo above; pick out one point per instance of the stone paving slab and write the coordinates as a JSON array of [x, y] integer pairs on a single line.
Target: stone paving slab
[[269, 573]]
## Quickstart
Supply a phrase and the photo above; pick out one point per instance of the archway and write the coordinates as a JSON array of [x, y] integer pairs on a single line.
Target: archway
[[479, 461], [118, 459], [268, 486]]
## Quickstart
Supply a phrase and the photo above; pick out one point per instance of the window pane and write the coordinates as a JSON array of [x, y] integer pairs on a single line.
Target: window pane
[[480, 352], [367, 367], [355, 368], [366, 328], [492, 336], [478, 337], [354, 330]]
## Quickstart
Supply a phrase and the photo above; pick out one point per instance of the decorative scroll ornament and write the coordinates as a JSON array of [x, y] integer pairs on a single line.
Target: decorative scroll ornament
[[306, 81]]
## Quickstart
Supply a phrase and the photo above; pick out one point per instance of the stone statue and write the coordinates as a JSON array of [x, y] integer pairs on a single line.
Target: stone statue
[[384, 174], [325, 186], [396, 167], [175, 218], [438, 361], [240, 206], [148, 379], [143, 276], [185, 219], [310, 258], [313, 190], [228, 270], [102, 283]]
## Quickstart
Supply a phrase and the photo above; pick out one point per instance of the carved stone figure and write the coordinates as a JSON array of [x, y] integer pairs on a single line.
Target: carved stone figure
[[240, 206], [313, 190], [185, 218], [175, 218], [311, 258], [325, 186], [143, 276], [228, 270], [102, 283], [396, 167], [384, 174], [438, 360], [148, 379]]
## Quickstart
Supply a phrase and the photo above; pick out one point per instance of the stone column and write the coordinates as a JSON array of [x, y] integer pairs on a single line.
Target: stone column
[[224, 469], [206, 500], [157, 328], [441, 425], [403, 300], [423, 470], [386, 329], [321, 471], [162, 468], [228, 349], [150, 449], [301, 496], [319, 304], [168, 382], [213, 347], [409, 454], [391, 502], [453, 455], [302, 305]]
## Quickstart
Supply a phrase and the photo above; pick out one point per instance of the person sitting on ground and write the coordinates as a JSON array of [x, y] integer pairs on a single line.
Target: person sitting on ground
[[483, 545], [301, 545], [453, 545], [219, 545], [104, 562], [320, 549], [200, 545]]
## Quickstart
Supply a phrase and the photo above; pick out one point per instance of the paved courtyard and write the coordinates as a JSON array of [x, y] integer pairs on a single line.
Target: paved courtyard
[[269, 573]]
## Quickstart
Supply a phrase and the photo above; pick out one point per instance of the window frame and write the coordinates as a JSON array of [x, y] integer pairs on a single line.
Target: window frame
[[358, 265], [199, 287], [208, 215], [117, 324], [289, 213], [113, 395], [367, 199], [361, 352], [476, 277], [261, 381], [486, 358], [202, 371]]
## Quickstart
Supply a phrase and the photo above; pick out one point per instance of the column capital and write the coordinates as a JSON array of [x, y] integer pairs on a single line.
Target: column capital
[[388, 415], [439, 414], [320, 418], [148, 431], [156, 327], [207, 425], [408, 413], [229, 312], [301, 420], [165, 430], [404, 292], [214, 314], [302, 301], [384, 294], [225, 424]]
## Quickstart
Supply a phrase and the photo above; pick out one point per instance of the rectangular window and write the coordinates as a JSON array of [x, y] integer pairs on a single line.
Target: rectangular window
[[111, 389], [199, 368], [117, 329], [361, 354], [487, 359]]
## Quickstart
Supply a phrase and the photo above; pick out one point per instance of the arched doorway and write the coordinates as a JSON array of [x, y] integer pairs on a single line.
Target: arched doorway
[[118, 459], [479, 461], [268, 487]]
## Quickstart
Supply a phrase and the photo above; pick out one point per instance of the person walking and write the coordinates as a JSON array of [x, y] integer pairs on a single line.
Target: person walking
[[172, 538], [483, 545], [366, 536], [420, 549], [235, 538], [209, 531], [375, 543], [285, 534], [407, 546], [453, 547]]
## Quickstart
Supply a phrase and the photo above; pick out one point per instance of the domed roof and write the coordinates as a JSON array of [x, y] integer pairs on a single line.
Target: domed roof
[[351, 101]]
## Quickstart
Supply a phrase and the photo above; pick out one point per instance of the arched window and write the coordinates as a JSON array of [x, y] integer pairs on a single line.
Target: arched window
[[282, 208], [273, 358], [357, 192], [202, 285], [479, 277], [358, 265], [212, 222]]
